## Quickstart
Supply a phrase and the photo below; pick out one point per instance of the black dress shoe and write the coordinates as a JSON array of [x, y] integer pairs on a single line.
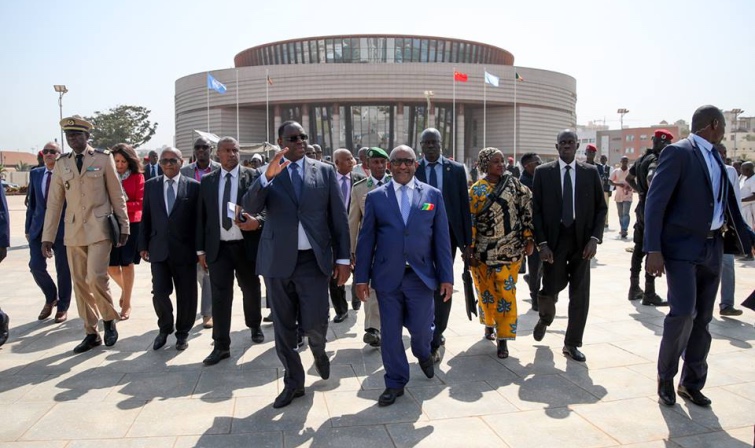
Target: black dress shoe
[[181, 343], [4, 322], [435, 355], [111, 334], [653, 299], [574, 353], [160, 341], [299, 342], [341, 317], [258, 337], [666, 395], [287, 396], [371, 337], [427, 367], [90, 341], [388, 397], [216, 356], [693, 395], [322, 366], [268, 318], [539, 332], [356, 304]]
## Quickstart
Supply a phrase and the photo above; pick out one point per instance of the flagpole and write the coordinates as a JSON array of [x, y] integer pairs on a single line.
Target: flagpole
[[516, 81], [267, 105], [207, 88], [453, 113], [238, 133], [484, 109]]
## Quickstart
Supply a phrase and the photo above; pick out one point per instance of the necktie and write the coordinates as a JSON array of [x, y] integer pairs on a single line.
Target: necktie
[[433, 180], [79, 161], [296, 179], [380, 183], [154, 171], [567, 210], [404, 203], [172, 196], [48, 175], [345, 191], [226, 199]]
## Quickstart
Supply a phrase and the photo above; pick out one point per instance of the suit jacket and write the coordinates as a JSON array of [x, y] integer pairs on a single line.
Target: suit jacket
[[4, 220], [37, 206], [88, 197], [385, 244], [589, 204], [356, 208], [455, 197], [320, 211], [188, 170], [148, 173], [208, 225], [679, 204], [170, 236]]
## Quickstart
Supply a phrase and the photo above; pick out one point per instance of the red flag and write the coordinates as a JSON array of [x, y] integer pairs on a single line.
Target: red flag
[[461, 77]]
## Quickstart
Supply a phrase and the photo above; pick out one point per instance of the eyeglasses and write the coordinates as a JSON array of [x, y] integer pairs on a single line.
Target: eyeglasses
[[202, 146], [296, 138], [168, 161], [399, 162], [429, 142], [49, 151]]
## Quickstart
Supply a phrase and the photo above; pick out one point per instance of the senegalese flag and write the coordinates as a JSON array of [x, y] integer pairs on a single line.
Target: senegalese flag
[[519, 78], [428, 206]]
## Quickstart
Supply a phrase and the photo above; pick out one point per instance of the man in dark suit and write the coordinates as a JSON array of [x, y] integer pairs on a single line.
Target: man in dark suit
[[530, 161], [306, 230], [404, 252], [39, 186], [567, 232], [152, 169], [689, 205], [344, 163], [227, 243], [451, 179], [4, 244], [167, 240]]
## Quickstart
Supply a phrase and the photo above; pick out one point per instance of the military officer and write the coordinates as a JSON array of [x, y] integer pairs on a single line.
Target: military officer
[[87, 182], [377, 160]]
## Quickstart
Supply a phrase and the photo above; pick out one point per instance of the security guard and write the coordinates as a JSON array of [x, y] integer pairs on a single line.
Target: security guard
[[87, 182]]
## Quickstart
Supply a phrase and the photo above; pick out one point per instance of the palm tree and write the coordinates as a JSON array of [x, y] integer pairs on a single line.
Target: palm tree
[[22, 166]]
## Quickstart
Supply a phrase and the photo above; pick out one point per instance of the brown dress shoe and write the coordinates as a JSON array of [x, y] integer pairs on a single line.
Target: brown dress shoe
[[46, 310], [61, 316], [206, 321]]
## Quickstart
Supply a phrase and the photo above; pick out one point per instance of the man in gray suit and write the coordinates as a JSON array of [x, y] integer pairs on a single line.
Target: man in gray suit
[[306, 230], [203, 164]]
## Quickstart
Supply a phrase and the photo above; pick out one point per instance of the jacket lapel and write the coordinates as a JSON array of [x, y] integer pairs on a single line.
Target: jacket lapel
[[285, 181], [87, 162], [214, 177], [417, 199], [556, 178], [391, 192], [180, 194], [698, 155]]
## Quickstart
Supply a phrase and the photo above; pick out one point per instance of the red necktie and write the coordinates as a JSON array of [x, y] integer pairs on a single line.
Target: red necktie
[[47, 185]]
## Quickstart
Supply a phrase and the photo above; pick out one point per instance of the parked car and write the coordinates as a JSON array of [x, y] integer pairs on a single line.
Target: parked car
[[9, 187]]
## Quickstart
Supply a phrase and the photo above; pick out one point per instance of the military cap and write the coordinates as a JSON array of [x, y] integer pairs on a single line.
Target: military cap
[[376, 152], [591, 147], [663, 134], [76, 123]]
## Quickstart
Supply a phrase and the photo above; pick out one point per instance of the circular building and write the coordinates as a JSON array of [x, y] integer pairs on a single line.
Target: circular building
[[350, 91]]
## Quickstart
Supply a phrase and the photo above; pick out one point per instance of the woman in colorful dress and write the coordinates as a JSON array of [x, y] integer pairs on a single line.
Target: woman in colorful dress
[[502, 234]]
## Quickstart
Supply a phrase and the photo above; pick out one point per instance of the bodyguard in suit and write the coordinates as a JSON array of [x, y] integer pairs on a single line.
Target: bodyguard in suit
[[530, 161], [203, 164], [227, 244], [404, 252], [306, 230], [167, 240], [4, 244], [39, 186], [86, 183], [569, 213], [152, 168], [451, 179], [692, 204], [344, 163]]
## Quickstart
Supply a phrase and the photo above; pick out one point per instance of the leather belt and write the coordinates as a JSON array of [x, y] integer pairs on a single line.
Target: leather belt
[[714, 233], [231, 241]]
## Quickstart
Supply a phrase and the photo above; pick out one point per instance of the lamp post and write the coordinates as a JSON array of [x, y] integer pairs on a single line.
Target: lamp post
[[621, 113], [734, 126], [428, 94], [62, 90]]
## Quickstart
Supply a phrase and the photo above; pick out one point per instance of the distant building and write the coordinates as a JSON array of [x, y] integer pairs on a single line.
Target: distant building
[[588, 134], [740, 136], [11, 160], [632, 142]]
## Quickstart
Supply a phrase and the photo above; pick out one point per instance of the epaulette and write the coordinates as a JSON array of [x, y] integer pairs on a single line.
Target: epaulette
[[102, 151], [360, 181]]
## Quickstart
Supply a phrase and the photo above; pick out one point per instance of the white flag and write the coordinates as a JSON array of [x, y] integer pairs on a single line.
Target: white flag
[[491, 79]]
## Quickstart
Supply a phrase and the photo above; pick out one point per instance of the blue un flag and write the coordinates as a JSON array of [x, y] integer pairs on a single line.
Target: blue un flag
[[214, 84]]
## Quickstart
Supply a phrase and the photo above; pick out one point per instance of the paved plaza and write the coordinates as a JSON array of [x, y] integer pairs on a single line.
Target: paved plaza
[[131, 396]]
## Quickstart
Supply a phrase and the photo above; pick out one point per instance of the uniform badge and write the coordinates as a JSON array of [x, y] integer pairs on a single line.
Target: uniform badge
[[71, 122], [68, 186]]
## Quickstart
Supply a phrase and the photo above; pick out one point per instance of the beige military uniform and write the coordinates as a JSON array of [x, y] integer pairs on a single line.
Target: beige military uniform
[[89, 197], [356, 212]]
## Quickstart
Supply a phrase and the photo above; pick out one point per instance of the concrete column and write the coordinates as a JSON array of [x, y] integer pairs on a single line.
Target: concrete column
[[336, 131], [398, 127], [460, 156], [276, 122], [305, 117]]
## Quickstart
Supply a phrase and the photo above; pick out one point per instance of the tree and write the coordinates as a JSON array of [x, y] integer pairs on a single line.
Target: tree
[[122, 124], [22, 166]]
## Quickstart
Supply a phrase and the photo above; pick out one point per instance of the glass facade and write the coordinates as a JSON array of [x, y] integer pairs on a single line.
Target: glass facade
[[373, 49]]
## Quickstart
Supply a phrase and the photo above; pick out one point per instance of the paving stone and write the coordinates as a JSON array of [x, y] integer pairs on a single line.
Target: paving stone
[[466, 432]]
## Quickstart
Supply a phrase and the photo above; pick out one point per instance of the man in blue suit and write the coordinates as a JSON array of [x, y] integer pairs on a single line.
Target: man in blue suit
[[39, 185], [689, 208], [404, 252], [4, 244], [306, 229]]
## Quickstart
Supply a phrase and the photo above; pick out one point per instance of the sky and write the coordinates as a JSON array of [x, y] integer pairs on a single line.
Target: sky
[[660, 59]]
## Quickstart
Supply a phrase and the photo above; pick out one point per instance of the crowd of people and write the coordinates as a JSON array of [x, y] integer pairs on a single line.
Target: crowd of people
[[305, 224]]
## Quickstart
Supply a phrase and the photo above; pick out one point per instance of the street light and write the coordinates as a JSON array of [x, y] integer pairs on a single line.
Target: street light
[[62, 90], [428, 94], [734, 126], [621, 113]]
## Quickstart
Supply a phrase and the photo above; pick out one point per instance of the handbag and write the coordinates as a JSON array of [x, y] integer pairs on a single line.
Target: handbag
[[115, 229], [469, 295]]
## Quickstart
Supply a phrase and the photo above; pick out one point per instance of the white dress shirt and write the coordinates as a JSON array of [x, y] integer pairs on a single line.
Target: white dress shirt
[[706, 149], [573, 175], [175, 190], [234, 233]]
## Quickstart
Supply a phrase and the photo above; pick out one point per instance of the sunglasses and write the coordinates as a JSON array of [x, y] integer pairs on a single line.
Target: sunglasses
[[399, 162], [49, 151], [168, 161], [202, 147], [296, 138]]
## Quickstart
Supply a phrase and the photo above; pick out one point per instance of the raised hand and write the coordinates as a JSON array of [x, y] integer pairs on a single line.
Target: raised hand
[[275, 167]]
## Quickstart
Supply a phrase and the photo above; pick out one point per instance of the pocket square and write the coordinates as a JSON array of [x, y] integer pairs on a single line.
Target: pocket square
[[428, 206]]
